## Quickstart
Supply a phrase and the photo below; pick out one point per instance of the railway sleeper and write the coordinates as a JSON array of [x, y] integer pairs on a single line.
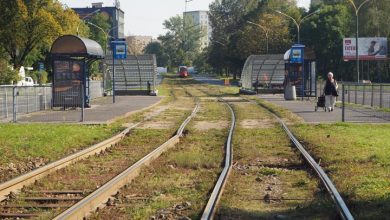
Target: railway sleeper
[[56, 192], [51, 199], [18, 215]]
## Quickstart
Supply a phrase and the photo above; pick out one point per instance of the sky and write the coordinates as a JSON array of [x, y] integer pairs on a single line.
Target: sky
[[145, 17]]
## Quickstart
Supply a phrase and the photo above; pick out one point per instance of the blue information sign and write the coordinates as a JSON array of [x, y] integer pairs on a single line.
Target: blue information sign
[[297, 53], [119, 49], [41, 66]]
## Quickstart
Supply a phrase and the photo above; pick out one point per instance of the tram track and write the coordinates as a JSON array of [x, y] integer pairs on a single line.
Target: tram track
[[37, 197], [323, 177], [205, 163], [80, 203], [211, 207]]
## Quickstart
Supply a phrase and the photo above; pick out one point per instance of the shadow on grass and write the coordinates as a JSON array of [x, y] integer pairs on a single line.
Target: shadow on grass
[[314, 210]]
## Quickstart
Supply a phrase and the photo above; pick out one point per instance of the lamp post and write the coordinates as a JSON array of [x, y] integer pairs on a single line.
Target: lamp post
[[357, 8], [220, 43], [185, 7], [298, 24], [184, 22], [266, 31], [105, 33], [105, 43], [86, 16]]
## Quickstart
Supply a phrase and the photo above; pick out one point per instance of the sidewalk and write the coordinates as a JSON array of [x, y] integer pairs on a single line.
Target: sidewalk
[[102, 111], [305, 109]]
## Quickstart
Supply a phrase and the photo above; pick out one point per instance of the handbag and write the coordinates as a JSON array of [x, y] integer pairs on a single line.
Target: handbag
[[335, 93]]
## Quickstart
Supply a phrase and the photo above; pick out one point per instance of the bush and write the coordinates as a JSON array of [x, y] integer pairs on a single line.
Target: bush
[[38, 76], [7, 76]]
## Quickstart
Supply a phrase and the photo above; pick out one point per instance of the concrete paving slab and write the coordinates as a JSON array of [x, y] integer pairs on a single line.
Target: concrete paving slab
[[102, 111]]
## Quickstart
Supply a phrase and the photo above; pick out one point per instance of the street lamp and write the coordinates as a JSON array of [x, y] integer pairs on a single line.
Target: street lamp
[[185, 7], [86, 16], [105, 33], [105, 42], [263, 28], [220, 43], [298, 24], [357, 8]]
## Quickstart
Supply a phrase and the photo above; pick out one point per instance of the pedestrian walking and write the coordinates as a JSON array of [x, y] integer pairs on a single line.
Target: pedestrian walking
[[330, 91]]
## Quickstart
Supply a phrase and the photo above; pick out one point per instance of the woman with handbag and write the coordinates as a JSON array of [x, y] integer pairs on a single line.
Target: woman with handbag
[[330, 91]]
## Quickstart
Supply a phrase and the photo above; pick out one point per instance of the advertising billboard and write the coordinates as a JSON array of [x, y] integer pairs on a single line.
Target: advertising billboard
[[370, 48], [67, 83]]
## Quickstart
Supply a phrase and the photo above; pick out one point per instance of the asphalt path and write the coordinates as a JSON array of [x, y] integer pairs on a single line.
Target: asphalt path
[[306, 108], [102, 111]]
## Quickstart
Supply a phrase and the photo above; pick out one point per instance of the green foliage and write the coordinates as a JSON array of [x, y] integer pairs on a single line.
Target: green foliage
[[38, 76], [157, 49], [103, 21], [182, 41], [28, 27], [6, 74], [200, 63], [332, 22], [234, 39]]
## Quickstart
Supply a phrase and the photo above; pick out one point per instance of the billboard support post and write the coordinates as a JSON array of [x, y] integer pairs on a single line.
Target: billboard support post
[[357, 46]]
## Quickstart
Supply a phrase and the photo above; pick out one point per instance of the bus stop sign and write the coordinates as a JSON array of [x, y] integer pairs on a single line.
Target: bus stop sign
[[119, 49], [297, 53]]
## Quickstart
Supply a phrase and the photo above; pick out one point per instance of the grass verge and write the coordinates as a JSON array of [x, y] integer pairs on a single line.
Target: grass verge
[[177, 184], [357, 157], [269, 180]]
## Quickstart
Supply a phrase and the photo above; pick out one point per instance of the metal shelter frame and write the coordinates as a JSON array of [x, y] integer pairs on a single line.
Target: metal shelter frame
[[71, 58], [295, 77], [263, 71]]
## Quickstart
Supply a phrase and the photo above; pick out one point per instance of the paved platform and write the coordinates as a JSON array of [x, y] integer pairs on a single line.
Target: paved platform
[[305, 109], [102, 111]]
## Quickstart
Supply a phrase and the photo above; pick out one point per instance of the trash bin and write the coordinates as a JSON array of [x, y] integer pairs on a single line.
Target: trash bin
[[290, 93]]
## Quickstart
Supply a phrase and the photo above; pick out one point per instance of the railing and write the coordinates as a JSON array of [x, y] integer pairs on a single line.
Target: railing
[[372, 100], [16, 101]]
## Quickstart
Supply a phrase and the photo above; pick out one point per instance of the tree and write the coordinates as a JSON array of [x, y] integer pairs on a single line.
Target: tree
[[227, 17], [29, 26], [324, 32], [157, 49], [182, 41], [234, 39], [100, 20], [6, 74]]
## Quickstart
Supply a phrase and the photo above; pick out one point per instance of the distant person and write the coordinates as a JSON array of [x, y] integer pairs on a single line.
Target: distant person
[[330, 91], [371, 49]]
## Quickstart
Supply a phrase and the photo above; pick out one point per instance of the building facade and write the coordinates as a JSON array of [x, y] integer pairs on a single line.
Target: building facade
[[115, 14], [201, 18], [137, 44]]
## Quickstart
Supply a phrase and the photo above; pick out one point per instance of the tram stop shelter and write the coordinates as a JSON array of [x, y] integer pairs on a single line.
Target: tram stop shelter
[[263, 73], [135, 75], [300, 71], [71, 58]]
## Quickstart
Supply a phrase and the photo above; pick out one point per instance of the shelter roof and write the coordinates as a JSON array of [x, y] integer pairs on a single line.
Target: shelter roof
[[75, 46]]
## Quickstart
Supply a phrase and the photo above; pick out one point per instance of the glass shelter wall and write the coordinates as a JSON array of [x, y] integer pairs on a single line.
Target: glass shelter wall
[[264, 70], [135, 75]]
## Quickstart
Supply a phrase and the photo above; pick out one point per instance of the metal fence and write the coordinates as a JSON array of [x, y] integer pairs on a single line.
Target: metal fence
[[365, 102], [35, 103]]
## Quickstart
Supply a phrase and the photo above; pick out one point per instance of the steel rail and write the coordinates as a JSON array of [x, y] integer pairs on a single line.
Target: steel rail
[[332, 190], [215, 196], [14, 185], [99, 197], [17, 183]]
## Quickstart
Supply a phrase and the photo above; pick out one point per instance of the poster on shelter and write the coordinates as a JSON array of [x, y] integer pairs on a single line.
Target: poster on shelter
[[67, 82], [370, 48]]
